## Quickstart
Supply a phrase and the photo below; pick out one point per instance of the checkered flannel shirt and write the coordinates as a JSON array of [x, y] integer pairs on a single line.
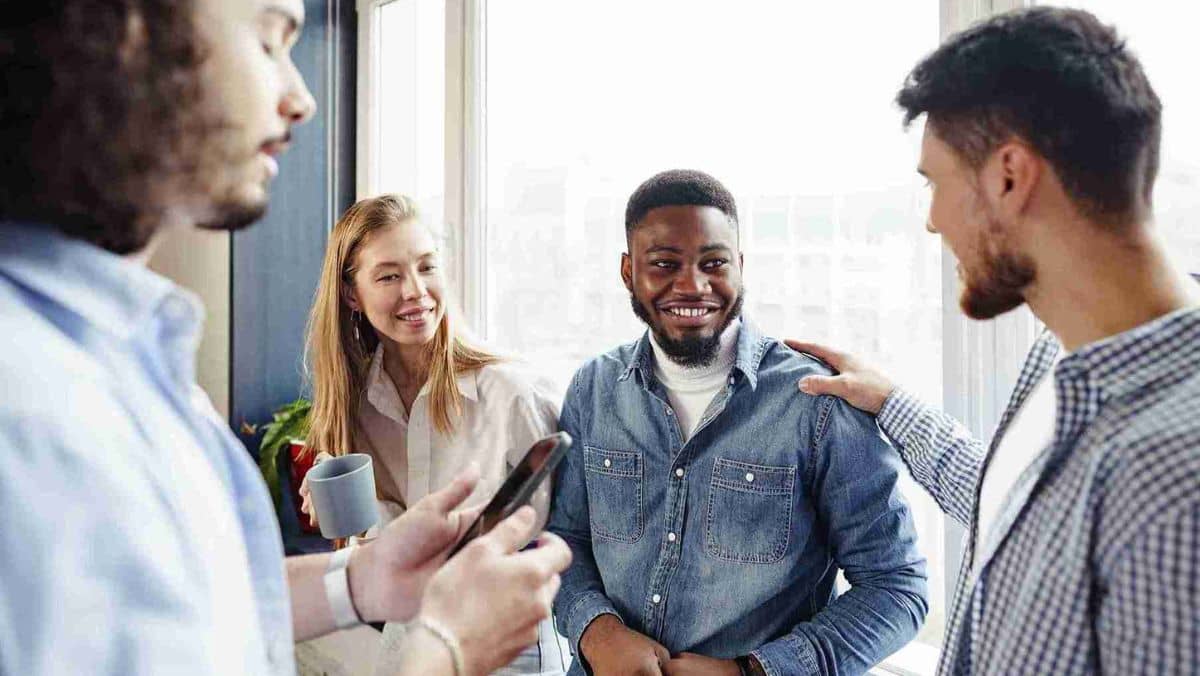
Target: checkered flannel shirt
[[1093, 565]]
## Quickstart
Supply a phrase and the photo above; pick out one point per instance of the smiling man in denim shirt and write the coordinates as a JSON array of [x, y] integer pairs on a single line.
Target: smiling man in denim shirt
[[707, 502]]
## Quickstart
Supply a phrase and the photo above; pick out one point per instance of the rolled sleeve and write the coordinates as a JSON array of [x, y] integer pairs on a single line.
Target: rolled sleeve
[[786, 656]]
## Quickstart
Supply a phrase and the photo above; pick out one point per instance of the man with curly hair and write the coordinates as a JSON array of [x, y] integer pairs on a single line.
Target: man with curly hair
[[138, 536]]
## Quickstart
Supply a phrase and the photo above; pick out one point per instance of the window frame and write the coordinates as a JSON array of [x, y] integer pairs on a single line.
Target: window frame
[[980, 360]]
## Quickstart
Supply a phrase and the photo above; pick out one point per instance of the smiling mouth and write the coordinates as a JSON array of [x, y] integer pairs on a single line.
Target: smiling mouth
[[415, 315], [690, 311]]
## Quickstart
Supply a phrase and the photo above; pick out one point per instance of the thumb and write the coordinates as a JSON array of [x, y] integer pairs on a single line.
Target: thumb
[[663, 655], [817, 385]]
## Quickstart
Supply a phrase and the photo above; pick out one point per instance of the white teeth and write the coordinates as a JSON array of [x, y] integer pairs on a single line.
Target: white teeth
[[689, 311], [414, 316]]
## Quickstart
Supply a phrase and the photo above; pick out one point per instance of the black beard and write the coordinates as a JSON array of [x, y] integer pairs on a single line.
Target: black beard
[[233, 216], [690, 351]]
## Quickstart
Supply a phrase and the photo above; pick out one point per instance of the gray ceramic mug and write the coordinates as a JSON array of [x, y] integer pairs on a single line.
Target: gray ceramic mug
[[343, 495]]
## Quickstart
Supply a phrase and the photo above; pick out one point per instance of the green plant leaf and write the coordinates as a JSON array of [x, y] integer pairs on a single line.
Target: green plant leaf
[[288, 422]]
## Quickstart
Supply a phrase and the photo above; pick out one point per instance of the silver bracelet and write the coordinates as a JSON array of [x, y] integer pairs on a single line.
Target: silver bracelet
[[443, 634]]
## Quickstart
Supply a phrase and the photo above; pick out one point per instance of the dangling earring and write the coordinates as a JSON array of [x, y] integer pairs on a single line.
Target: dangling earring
[[354, 320]]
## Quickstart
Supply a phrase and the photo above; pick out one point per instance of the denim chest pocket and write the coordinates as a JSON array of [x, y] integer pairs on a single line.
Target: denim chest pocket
[[614, 488], [749, 512]]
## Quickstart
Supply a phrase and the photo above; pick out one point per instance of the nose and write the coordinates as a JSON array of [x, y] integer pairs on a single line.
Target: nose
[[692, 283], [929, 226], [297, 105], [412, 287]]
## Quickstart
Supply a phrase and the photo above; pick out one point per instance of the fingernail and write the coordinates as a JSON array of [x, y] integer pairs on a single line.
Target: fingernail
[[804, 385]]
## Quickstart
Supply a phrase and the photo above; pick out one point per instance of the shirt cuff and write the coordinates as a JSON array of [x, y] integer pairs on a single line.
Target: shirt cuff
[[585, 609], [899, 414], [787, 655]]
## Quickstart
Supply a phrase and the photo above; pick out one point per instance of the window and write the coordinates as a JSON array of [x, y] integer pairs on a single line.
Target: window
[[1158, 43], [831, 208], [406, 143], [527, 142]]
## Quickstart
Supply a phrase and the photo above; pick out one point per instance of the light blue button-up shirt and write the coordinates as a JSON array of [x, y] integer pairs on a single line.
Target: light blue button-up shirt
[[106, 566]]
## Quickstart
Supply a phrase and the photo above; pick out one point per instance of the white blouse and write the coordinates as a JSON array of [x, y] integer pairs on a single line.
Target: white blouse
[[506, 408]]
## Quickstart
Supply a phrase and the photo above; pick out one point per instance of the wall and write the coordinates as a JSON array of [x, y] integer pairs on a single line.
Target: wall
[[276, 263], [199, 261]]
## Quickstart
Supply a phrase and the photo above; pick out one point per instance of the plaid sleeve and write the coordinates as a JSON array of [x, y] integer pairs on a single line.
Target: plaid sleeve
[[940, 453], [1149, 621]]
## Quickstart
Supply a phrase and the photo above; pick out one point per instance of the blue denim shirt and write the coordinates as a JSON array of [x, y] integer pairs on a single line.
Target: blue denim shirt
[[729, 544]]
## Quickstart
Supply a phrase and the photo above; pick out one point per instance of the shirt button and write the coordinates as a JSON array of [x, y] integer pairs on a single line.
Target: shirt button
[[607, 462], [679, 472], [670, 537], [668, 410], [731, 380], [655, 599], [750, 477]]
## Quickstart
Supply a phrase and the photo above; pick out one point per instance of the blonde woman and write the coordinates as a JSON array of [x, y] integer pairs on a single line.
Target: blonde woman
[[393, 377]]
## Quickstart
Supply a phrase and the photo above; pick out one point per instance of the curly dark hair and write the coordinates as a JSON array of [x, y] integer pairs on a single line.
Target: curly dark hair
[[678, 187], [100, 103], [1059, 80]]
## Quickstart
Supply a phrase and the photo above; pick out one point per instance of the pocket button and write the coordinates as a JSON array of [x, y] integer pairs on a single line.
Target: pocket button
[[750, 477], [607, 462]]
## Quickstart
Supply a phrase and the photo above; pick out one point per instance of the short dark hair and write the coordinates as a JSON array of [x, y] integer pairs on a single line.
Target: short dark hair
[[678, 187], [99, 105], [1059, 80]]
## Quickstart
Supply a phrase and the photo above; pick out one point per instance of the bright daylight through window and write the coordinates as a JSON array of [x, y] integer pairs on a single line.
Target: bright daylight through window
[[788, 104], [831, 208]]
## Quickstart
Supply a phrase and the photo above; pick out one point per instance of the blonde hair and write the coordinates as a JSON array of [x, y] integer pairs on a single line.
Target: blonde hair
[[338, 360]]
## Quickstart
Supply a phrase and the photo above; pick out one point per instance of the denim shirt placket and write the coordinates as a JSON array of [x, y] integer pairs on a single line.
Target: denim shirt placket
[[669, 552]]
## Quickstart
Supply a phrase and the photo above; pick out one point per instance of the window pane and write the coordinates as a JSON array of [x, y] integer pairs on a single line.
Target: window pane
[[779, 101], [412, 103], [1158, 34]]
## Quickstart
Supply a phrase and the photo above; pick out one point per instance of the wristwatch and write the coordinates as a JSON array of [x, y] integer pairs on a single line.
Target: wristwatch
[[337, 590], [749, 666]]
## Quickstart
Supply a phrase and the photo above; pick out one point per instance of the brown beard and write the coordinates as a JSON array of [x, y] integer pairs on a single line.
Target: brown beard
[[1001, 286]]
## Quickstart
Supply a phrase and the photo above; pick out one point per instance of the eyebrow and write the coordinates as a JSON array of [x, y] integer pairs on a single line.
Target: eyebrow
[[707, 248], [395, 264], [294, 22]]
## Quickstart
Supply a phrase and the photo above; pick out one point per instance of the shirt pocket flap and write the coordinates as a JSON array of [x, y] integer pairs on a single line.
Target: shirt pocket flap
[[616, 463], [749, 478]]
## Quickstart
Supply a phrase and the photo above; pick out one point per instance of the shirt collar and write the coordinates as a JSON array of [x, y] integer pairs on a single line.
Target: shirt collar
[[107, 291], [1132, 359], [751, 346], [383, 395]]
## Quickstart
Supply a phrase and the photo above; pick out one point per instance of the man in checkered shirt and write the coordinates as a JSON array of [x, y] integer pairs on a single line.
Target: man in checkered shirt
[[1083, 513]]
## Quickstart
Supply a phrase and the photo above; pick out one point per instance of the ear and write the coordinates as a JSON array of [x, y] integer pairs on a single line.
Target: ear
[[741, 261], [627, 272], [1015, 170], [350, 297]]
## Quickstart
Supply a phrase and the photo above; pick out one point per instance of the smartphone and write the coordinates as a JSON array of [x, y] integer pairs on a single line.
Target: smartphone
[[520, 485]]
